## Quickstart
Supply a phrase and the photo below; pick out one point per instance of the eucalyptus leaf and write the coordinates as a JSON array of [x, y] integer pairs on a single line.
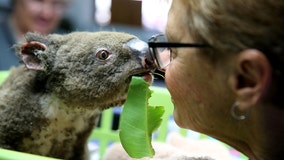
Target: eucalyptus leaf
[[139, 120]]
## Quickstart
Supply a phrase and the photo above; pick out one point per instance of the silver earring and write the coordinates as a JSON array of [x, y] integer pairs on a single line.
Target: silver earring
[[233, 112]]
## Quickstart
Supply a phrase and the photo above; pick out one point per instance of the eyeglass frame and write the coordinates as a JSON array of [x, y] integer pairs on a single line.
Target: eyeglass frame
[[153, 45]]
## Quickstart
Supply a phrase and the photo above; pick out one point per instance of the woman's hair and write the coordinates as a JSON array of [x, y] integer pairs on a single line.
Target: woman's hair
[[230, 26]]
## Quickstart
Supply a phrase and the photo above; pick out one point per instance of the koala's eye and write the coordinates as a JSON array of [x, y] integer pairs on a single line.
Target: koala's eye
[[102, 54]]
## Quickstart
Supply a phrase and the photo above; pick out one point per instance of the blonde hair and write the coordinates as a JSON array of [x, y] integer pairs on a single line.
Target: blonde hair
[[238, 24]]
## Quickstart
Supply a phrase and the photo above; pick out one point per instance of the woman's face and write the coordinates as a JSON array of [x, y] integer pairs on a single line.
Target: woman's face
[[39, 15], [198, 88]]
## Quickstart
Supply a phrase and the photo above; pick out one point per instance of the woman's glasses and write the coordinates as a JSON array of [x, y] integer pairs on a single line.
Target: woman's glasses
[[160, 49]]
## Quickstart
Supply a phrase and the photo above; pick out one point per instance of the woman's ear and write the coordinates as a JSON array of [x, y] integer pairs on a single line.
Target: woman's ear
[[251, 77]]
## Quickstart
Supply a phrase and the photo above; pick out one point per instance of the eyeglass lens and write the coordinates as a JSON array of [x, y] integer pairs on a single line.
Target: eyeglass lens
[[162, 54]]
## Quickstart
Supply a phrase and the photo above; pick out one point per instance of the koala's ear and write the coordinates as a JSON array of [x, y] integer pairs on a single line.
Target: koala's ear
[[31, 55]]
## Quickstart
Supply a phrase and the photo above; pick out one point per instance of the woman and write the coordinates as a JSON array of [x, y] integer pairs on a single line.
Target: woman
[[225, 81]]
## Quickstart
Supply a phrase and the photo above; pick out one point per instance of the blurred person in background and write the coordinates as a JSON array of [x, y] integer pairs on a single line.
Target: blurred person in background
[[42, 16]]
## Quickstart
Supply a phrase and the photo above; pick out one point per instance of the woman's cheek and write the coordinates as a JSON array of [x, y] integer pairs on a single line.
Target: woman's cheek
[[174, 80], [177, 85]]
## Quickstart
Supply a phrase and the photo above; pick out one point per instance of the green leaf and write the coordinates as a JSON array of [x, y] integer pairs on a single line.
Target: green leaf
[[138, 120]]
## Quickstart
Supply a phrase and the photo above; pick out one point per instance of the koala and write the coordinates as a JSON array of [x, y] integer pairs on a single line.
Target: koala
[[50, 104]]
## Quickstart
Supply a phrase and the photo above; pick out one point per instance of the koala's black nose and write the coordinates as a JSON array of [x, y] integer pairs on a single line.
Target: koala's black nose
[[141, 48]]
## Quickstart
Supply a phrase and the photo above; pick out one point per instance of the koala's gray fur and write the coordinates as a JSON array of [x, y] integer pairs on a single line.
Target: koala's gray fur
[[50, 105]]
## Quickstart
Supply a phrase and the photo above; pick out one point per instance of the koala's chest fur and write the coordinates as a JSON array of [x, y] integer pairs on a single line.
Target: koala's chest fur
[[66, 129]]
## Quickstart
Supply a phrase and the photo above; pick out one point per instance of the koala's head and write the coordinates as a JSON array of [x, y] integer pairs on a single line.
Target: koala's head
[[91, 69]]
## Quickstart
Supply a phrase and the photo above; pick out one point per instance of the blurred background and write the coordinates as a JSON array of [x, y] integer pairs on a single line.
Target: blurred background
[[141, 18]]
